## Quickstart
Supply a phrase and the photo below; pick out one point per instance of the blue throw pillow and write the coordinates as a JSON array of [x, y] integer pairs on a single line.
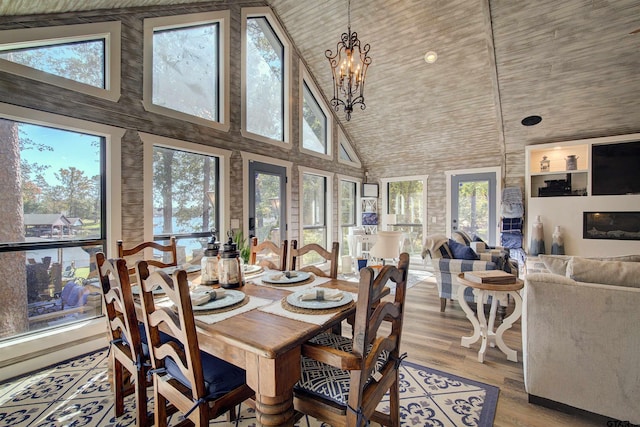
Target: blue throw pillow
[[460, 251]]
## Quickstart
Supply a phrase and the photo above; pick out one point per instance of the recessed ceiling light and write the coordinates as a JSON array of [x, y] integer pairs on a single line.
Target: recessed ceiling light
[[430, 57], [531, 120]]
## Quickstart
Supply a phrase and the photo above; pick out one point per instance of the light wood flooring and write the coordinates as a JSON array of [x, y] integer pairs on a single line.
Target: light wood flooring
[[432, 338]]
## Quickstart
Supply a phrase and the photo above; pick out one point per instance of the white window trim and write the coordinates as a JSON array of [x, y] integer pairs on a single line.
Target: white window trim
[[149, 141], [223, 19], [251, 157], [305, 77], [342, 140], [87, 335], [302, 170], [358, 205], [265, 12], [43, 36], [384, 208]]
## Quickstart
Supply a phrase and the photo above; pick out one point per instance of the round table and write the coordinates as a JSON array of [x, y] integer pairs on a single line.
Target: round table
[[482, 328]]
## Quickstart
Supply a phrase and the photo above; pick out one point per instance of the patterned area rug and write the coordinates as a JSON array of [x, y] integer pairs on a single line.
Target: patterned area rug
[[77, 393]]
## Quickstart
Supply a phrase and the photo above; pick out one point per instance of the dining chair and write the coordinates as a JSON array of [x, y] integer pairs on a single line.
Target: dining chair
[[170, 249], [266, 252], [317, 251], [343, 380], [127, 349], [199, 385]]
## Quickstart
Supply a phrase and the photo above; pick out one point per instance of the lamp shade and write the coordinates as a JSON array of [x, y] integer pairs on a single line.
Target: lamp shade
[[387, 245], [390, 219]]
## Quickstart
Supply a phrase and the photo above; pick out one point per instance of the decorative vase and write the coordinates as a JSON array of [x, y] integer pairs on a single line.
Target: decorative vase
[[557, 247], [537, 238]]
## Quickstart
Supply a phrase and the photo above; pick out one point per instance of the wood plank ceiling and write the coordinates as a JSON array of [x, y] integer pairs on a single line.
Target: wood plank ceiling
[[576, 63]]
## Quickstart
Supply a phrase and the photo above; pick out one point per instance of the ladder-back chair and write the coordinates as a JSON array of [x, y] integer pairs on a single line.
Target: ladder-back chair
[[343, 380], [329, 257], [127, 355], [170, 249], [198, 384], [264, 254]]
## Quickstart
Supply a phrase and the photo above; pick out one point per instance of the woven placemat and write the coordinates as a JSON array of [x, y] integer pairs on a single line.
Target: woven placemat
[[245, 301], [300, 310], [285, 285]]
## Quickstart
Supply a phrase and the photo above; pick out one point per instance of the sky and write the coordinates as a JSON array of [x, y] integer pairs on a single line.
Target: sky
[[69, 149]]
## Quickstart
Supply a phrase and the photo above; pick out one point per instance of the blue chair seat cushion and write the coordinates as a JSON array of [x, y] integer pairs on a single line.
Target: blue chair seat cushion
[[220, 377], [328, 382]]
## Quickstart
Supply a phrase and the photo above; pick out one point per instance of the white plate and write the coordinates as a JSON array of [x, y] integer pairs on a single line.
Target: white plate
[[294, 300], [190, 269], [230, 297], [252, 269], [275, 279]]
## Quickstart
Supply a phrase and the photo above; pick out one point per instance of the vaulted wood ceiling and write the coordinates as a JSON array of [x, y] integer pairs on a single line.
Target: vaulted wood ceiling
[[576, 63]]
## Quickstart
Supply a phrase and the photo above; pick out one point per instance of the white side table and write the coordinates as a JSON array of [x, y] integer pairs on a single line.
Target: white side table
[[483, 329]]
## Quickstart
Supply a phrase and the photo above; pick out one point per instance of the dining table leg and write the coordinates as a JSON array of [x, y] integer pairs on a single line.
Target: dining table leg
[[272, 379]]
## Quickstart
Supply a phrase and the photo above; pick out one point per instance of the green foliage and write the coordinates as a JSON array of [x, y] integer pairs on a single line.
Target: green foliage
[[242, 245]]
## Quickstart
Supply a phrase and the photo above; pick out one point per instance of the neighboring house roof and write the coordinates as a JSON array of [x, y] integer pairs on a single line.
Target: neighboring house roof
[[46, 219], [75, 221]]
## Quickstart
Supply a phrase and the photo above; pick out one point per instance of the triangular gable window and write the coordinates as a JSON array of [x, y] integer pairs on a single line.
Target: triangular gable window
[[84, 58], [346, 153]]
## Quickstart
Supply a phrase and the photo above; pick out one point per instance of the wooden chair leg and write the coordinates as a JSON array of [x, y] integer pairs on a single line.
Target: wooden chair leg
[[443, 304], [160, 407], [118, 386], [141, 400]]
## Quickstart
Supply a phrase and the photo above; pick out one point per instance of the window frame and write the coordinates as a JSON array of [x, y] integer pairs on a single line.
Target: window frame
[[302, 171], [224, 165], [305, 79], [223, 19], [43, 347], [51, 36], [266, 12], [357, 204]]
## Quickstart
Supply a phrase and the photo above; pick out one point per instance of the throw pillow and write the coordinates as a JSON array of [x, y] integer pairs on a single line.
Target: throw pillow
[[618, 273], [460, 251], [461, 237], [557, 264]]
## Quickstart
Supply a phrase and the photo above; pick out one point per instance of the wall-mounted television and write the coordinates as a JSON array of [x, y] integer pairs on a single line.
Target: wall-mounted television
[[615, 168]]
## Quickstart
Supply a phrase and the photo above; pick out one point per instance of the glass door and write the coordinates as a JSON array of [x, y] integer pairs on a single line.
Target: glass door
[[473, 205], [267, 202], [405, 210]]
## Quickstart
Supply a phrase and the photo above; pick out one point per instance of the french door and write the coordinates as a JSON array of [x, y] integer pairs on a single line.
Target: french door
[[473, 207], [267, 201]]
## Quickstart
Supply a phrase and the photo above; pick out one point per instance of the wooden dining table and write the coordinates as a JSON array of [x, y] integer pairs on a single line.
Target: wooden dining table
[[268, 347]]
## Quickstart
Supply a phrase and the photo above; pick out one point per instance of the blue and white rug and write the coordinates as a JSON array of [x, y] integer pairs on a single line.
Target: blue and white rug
[[77, 393]]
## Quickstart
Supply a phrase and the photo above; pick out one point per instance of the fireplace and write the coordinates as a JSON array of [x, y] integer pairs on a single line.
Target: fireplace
[[611, 225]]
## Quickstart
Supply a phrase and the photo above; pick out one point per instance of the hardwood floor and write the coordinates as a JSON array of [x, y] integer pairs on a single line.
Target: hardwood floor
[[432, 338]]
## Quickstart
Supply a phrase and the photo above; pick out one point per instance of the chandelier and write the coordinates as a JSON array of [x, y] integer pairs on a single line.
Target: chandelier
[[349, 69]]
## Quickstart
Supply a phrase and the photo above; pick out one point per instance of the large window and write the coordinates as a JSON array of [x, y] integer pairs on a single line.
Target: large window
[[84, 58], [314, 207], [265, 77], [348, 214], [53, 207], [185, 199], [185, 67], [406, 209]]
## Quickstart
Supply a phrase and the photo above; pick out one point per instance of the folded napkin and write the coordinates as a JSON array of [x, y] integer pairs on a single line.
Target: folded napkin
[[322, 295], [283, 275], [203, 297]]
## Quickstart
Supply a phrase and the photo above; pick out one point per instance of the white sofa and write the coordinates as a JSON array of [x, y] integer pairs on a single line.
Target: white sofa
[[581, 340]]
